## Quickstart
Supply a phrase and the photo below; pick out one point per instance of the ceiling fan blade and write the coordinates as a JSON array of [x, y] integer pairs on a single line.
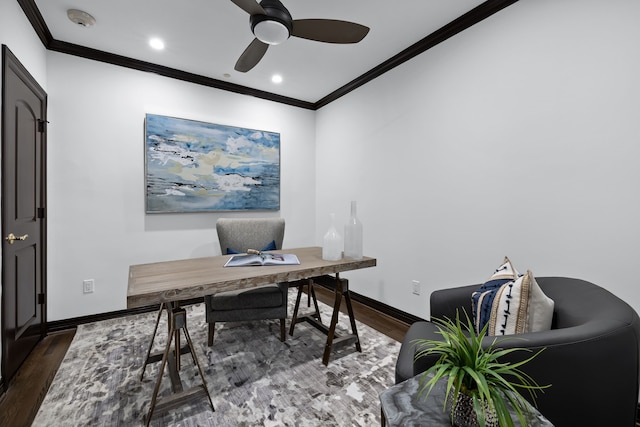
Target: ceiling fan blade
[[250, 6], [329, 30], [251, 56]]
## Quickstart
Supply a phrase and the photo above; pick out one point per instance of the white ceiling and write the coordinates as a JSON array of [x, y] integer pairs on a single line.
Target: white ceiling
[[206, 37]]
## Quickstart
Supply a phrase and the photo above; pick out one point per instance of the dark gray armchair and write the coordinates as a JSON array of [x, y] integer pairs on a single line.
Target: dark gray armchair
[[264, 302], [591, 357]]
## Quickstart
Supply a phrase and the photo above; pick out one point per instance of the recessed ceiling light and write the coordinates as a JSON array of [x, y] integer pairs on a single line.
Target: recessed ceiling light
[[277, 78], [156, 43]]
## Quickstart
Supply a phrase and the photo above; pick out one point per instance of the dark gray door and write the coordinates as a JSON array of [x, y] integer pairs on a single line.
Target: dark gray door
[[24, 106]]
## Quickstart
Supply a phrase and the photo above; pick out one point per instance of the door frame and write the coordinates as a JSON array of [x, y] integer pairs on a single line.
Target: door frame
[[9, 59]]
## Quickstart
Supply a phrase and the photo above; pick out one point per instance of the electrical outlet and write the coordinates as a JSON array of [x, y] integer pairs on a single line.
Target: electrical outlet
[[416, 287], [88, 286]]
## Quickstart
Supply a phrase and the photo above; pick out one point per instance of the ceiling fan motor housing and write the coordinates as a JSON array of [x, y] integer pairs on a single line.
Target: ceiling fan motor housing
[[275, 12]]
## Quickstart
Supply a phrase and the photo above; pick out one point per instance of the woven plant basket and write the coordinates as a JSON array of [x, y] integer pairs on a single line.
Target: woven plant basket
[[463, 414]]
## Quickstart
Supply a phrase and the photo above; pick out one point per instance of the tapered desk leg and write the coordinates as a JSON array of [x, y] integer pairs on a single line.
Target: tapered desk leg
[[332, 326], [352, 317], [312, 292], [195, 362], [153, 337], [294, 317], [154, 398]]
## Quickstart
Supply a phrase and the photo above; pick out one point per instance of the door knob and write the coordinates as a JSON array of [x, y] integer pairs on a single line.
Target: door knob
[[12, 238]]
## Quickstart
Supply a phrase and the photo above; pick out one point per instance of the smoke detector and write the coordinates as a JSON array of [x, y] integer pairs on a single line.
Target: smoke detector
[[81, 18]]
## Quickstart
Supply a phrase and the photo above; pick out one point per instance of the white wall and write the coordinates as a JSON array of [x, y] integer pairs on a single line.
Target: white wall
[[17, 33], [97, 221], [517, 137]]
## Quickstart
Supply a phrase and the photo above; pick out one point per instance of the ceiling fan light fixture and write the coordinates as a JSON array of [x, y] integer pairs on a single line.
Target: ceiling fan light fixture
[[271, 31], [271, 24]]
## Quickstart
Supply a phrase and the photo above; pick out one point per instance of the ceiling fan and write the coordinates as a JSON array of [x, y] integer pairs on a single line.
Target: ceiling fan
[[272, 23]]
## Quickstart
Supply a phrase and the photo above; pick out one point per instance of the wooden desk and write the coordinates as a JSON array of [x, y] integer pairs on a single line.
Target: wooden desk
[[167, 283], [160, 282]]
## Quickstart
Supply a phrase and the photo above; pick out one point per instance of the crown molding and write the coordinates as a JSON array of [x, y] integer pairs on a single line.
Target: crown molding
[[475, 15], [37, 21], [135, 64]]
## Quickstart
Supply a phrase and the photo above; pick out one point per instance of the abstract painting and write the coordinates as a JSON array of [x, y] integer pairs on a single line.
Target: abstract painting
[[194, 166]]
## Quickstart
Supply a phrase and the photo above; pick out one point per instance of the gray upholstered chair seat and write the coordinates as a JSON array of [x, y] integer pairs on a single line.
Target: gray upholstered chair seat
[[263, 297]]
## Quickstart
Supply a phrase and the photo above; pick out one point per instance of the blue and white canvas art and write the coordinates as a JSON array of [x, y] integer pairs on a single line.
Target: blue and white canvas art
[[194, 166]]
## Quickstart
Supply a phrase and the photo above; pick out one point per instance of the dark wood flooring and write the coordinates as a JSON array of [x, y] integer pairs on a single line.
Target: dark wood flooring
[[26, 391]]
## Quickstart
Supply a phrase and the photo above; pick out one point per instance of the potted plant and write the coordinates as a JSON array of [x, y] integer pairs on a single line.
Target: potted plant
[[478, 386]]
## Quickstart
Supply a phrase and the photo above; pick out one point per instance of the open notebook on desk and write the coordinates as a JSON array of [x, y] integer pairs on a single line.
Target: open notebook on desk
[[262, 259]]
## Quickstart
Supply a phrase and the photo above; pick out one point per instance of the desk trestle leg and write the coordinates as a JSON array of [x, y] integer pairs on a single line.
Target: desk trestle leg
[[311, 294], [177, 322], [340, 288]]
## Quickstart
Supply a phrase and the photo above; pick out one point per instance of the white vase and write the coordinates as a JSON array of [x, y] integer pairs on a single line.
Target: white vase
[[332, 243], [353, 235]]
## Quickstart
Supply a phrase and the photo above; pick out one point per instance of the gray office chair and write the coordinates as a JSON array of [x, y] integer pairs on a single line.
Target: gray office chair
[[264, 302]]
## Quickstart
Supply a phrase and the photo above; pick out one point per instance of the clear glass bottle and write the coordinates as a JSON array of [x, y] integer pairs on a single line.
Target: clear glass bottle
[[353, 236], [332, 243]]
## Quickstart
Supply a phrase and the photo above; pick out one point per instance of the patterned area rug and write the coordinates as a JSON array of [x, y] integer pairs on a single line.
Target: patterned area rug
[[253, 378]]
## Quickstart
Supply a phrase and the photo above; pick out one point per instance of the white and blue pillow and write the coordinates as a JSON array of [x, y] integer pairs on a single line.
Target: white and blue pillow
[[511, 303], [482, 299]]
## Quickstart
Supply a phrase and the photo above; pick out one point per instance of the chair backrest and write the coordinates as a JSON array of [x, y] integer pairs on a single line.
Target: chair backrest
[[241, 234]]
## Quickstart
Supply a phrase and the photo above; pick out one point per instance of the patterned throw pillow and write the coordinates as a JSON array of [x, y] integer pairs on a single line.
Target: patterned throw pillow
[[482, 299], [520, 306]]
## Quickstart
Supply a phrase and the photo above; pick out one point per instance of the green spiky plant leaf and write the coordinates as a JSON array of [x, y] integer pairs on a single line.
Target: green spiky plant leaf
[[477, 372]]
